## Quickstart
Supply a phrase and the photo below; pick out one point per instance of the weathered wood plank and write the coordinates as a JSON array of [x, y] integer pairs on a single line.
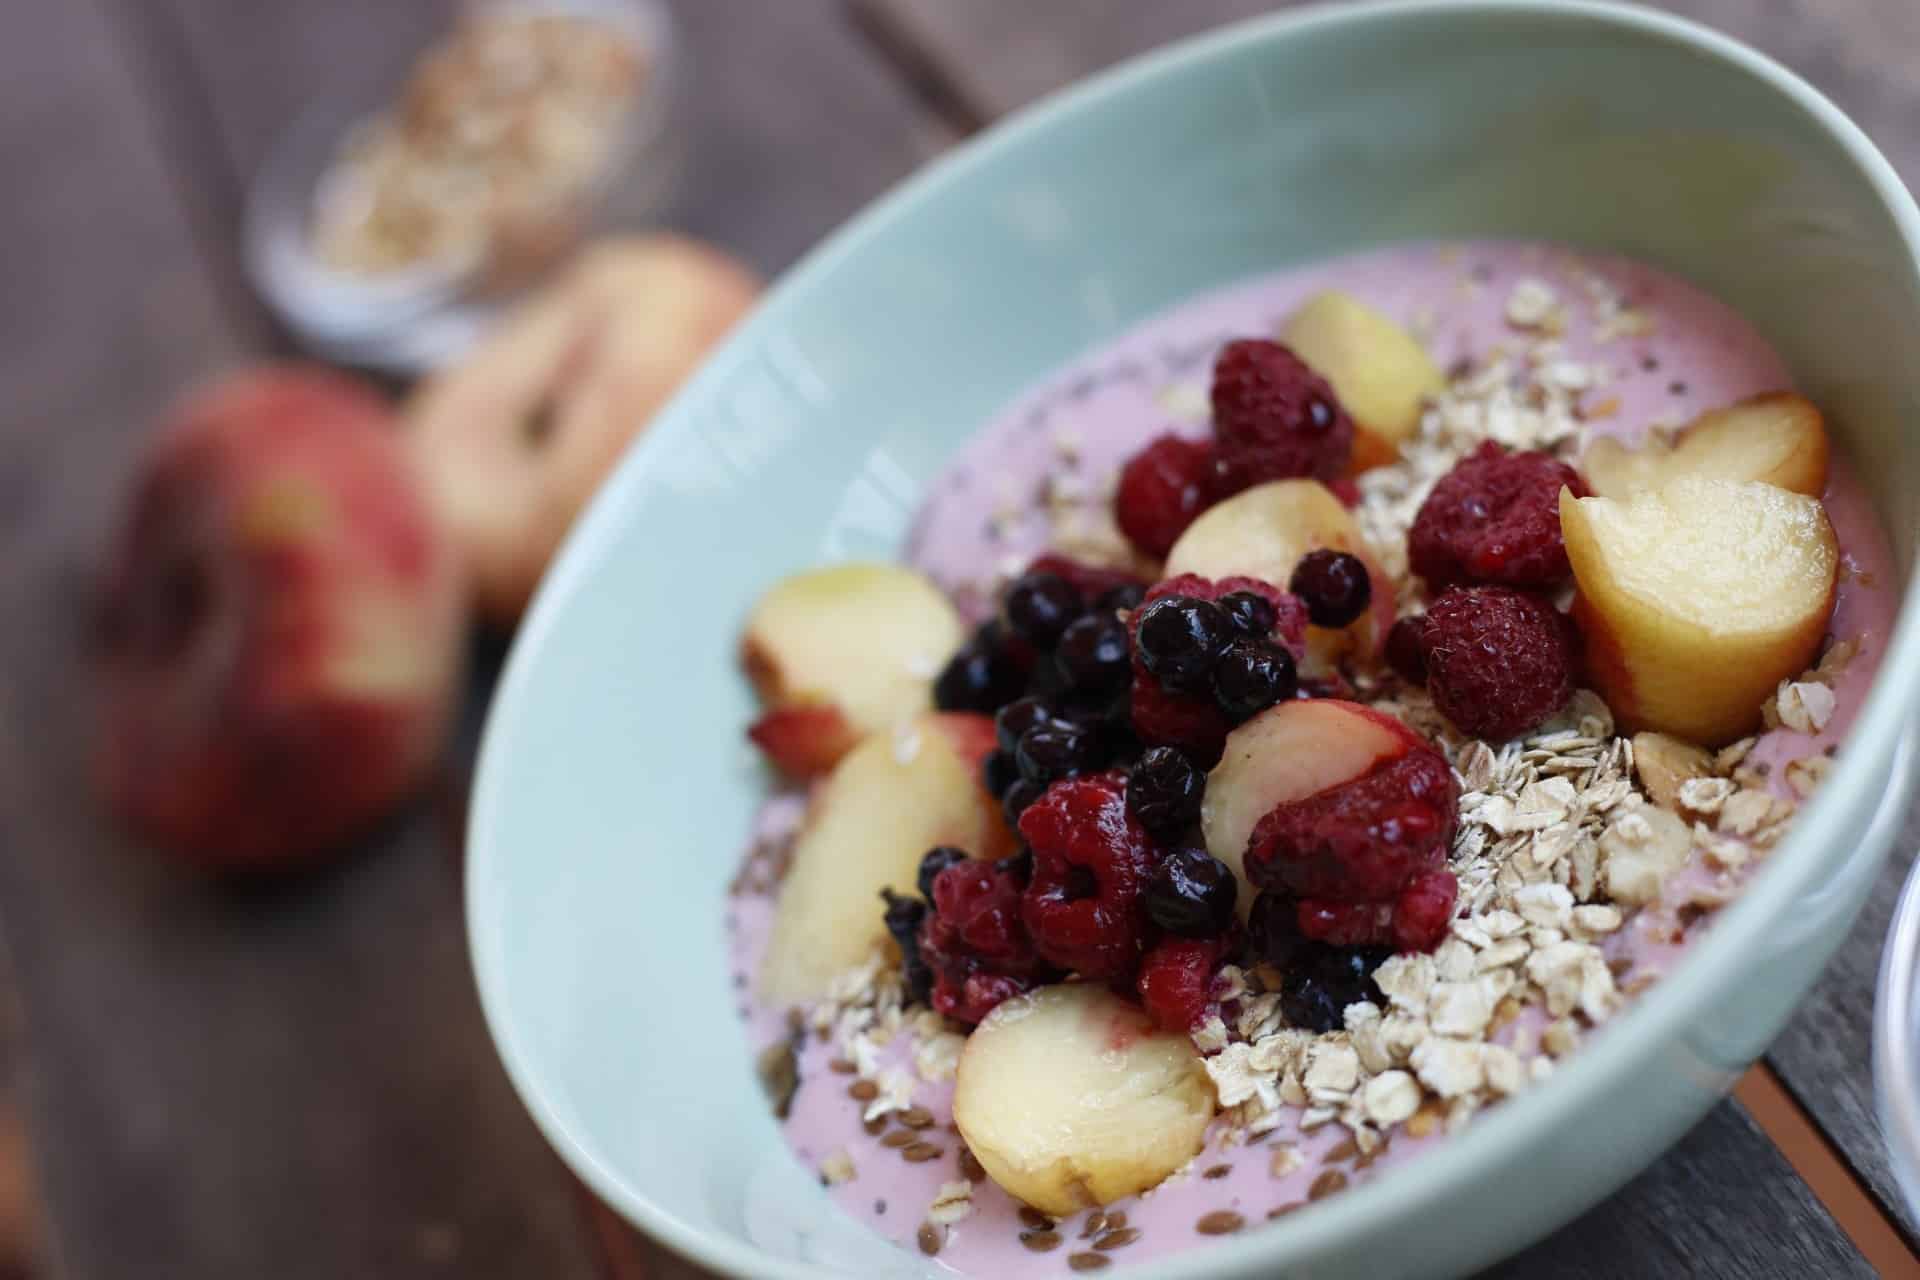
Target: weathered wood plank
[[292, 1081]]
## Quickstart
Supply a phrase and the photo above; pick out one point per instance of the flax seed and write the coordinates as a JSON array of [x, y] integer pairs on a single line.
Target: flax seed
[[917, 1118], [863, 1091], [920, 1153], [840, 1067], [1326, 1184], [1087, 1261], [1120, 1239], [1035, 1219], [1218, 1171], [874, 1125], [1281, 1211], [1345, 1149], [1040, 1241], [899, 1138], [970, 1167], [1221, 1222], [930, 1238]]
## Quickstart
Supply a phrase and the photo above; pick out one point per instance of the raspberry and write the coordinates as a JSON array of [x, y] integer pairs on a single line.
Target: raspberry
[[1494, 518], [974, 941], [1274, 418], [1162, 488], [1416, 920], [1498, 661], [1093, 581], [1176, 981], [1193, 722], [1362, 841], [1091, 858]]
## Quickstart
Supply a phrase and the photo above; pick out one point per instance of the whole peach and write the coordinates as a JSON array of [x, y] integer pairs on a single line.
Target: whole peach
[[282, 624]]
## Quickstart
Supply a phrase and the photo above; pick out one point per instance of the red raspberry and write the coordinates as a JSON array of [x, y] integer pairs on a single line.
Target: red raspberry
[[1494, 518], [1498, 661], [1415, 920], [1196, 725], [1362, 841], [1091, 858], [1274, 418], [974, 940], [1162, 488], [1091, 580], [1176, 981]]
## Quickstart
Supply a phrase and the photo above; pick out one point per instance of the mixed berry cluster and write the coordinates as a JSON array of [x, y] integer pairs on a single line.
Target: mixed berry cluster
[[1112, 698], [1273, 419]]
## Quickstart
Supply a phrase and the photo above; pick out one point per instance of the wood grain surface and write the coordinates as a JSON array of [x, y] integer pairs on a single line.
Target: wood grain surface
[[296, 1082]]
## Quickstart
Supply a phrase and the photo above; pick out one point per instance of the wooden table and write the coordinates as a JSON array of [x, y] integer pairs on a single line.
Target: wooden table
[[295, 1081]]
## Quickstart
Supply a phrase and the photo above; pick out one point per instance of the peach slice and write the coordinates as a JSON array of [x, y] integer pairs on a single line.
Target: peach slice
[[886, 803], [1070, 1098], [1288, 752], [1697, 598], [1262, 532], [1380, 371], [1778, 439], [842, 652]]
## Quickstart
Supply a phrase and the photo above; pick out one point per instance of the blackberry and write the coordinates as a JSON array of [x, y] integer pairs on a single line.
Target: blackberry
[[1251, 676], [1251, 615], [1322, 981], [1179, 638], [1191, 893], [1164, 792], [1092, 654], [1040, 605], [933, 862], [1335, 586], [1116, 599]]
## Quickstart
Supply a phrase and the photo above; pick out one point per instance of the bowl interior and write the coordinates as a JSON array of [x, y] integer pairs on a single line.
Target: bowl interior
[[616, 789]]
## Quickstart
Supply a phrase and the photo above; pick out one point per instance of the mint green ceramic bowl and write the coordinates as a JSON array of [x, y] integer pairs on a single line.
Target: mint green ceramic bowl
[[614, 789]]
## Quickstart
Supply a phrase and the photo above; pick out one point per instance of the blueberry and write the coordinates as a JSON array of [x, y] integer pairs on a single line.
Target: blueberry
[[1179, 639], [1126, 597], [1407, 649], [1322, 981], [1164, 792], [1273, 928], [933, 862], [1191, 893], [1335, 586], [1252, 615], [1050, 751], [1018, 797], [1251, 676], [1092, 654], [904, 917], [1040, 605], [977, 678], [999, 772], [1019, 716]]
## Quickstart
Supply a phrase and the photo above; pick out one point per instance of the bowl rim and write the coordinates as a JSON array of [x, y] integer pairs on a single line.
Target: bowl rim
[[1896, 1041], [1859, 783]]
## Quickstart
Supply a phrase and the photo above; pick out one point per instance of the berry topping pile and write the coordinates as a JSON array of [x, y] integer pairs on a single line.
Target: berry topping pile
[[971, 943], [1495, 518], [1498, 662]]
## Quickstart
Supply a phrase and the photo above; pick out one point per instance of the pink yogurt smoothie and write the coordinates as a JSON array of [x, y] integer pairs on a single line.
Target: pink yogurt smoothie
[[981, 516]]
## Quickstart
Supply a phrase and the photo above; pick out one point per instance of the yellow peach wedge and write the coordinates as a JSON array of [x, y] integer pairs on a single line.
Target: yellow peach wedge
[[1697, 598], [1778, 439], [1381, 373]]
